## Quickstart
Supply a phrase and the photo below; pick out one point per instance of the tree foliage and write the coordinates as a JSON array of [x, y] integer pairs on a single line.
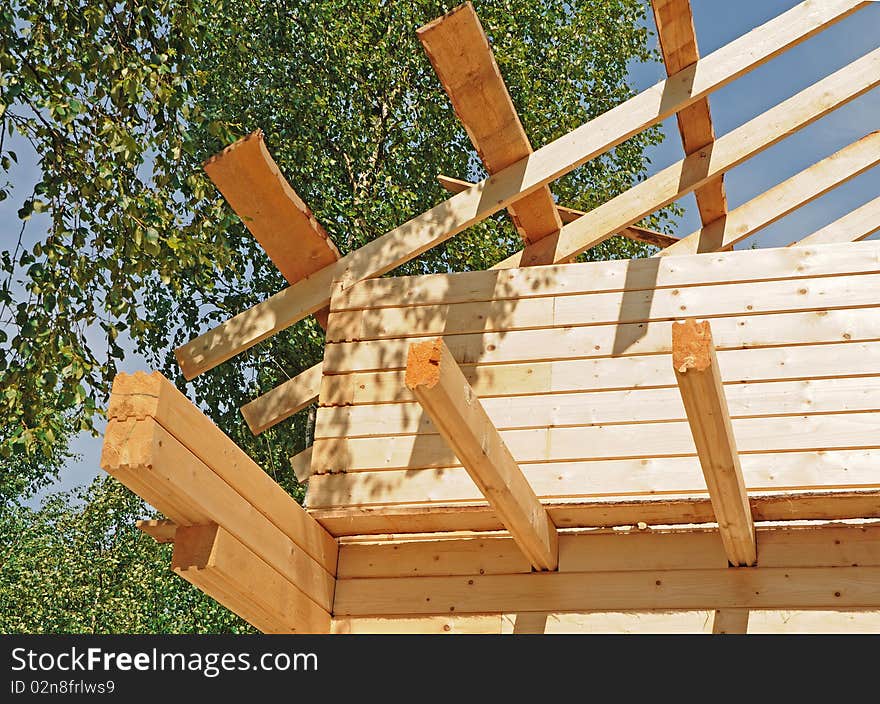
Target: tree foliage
[[79, 565]]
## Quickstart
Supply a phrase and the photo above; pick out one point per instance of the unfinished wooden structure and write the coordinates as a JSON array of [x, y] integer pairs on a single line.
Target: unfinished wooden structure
[[683, 443]]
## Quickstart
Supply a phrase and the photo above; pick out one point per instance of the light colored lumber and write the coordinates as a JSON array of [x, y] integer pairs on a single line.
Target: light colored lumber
[[846, 358], [145, 448], [517, 180], [625, 307], [835, 578], [253, 185], [439, 386], [761, 588], [694, 171], [730, 621], [281, 222], [823, 545], [283, 401], [694, 622], [207, 555], [678, 45], [699, 381], [600, 479], [162, 531], [613, 340], [602, 442], [852, 227], [141, 395], [609, 276], [782, 199], [461, 56], [566, 215], [301, 464], [592, 512], [802, 397]]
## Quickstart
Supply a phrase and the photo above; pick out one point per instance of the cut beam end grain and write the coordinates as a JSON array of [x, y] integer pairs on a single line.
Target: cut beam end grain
[[699, 381], [162, 531], [423, 364]]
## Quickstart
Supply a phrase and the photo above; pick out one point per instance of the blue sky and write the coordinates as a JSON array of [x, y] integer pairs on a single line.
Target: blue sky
[[717, 23]]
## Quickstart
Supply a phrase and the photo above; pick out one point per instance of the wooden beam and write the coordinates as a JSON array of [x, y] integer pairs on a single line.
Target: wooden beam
[[697, 169], [210, 558], [162, 531], [591, 512], [567, 215], [142, 396], [461, 56], [517, 180], [822, 567], [283, 401], [301, 464], [678, 44], [437, 382], [782, 199], [730, 621], [253, 185], [852, 227], [142, 448], [699, 380]]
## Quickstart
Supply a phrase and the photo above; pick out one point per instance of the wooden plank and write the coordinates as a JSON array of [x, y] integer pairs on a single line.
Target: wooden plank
[[827, 545], [438, 384], [517, 180], [461, 56], [769, 364], [791, 622], [803, 397], [251, 182], [301, 464], [162, 531], [760, 588], [678, 44], [591, 512], [603, 442], [478, 555], [857, 225], [599, 479], [782, 199], [251, 588], [566, 215], [624, 307], [610, 276], [699, 381], [602, 341], [145, 448], [142, 395], [699, 168], [283, 401]]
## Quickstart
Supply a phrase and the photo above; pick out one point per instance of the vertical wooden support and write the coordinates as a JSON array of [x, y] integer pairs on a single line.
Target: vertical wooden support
[[730, 621], [438, 384], [699, 381]]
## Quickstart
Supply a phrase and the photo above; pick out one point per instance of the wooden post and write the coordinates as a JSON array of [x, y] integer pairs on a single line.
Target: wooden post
[[730, 621], [696, 371], [438, 384]]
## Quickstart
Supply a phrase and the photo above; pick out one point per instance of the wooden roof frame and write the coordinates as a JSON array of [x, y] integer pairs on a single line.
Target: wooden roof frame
[[513, 560]]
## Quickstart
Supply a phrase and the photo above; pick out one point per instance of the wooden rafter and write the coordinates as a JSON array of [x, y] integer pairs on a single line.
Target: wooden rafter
[[253, 185], [782, 199], [567, 215], [695, 170], [283, 401], [852, 227], [678, 44], [434, 377], [463, 60], [517, 180], [699, 380]]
